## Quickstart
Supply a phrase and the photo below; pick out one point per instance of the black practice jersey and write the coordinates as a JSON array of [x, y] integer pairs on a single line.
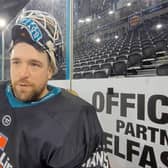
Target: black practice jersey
[[61, 132]]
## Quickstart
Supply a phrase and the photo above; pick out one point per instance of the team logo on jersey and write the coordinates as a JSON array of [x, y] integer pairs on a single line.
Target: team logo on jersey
[[4, 159], [6, 120], [98, 159], [3, 141]]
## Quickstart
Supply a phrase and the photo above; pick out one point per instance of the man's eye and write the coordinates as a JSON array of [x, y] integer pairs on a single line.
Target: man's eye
[[15, 62], [35, 65]]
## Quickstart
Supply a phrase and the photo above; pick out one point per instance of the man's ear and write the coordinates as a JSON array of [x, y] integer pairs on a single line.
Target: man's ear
[[50, 72]]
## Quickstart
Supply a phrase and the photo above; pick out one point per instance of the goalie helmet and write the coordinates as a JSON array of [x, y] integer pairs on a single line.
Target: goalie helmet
[[42, 31]]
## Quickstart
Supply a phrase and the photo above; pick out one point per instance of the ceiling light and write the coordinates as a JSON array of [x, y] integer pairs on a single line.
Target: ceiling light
[[129, 4], [111, 12], [98, 40], [81, 21], [116, 36], [159, 26], [88, 20], [2, 22]]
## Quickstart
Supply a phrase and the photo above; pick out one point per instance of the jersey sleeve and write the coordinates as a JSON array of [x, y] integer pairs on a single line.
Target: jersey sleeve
[[97, 156]]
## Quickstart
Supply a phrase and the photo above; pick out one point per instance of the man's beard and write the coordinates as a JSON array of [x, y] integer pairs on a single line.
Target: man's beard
[[27, 94]]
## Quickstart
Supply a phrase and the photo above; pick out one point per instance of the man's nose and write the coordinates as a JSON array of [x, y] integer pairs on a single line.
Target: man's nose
[[25, 71]]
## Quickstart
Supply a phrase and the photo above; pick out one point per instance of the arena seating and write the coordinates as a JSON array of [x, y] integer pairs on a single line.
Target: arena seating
[[162, 69], [142, 51]]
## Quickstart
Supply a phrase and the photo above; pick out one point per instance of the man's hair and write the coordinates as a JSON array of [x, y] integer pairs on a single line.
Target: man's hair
[[40, 30]]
